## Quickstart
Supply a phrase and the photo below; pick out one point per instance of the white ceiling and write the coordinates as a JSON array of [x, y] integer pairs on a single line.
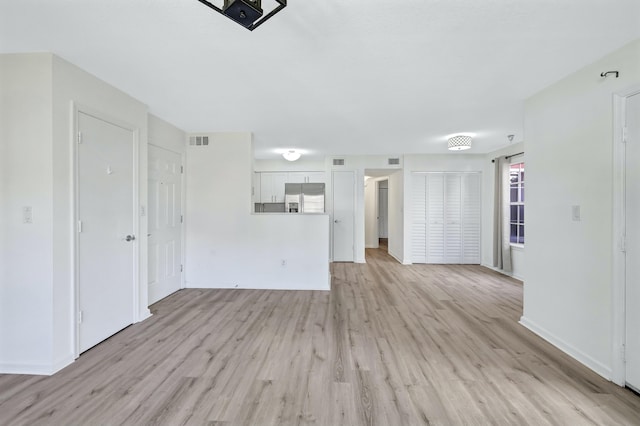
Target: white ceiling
[[331, 77]]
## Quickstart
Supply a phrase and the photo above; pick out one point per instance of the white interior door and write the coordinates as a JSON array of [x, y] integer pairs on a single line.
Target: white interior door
[[106, 240], [165, 224], [632, 196], [343, 216]]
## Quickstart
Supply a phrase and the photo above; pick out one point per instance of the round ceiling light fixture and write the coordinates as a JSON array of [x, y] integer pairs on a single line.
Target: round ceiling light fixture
[[459, 142], [291, 155]]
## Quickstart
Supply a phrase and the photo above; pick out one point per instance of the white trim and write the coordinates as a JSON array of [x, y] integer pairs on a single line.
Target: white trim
[[508, 274], [37, 369], [515, 159], [397, 258], [567, 348], [137, 314], [355, 206], [618, 320]]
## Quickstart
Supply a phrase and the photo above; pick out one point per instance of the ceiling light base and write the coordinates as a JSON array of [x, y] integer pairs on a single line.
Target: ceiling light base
[[247, 13], [244, 12]]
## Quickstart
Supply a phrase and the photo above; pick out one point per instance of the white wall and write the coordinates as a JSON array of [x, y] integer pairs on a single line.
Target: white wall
[[396, 215], [165, 135], [26, 250], [282, 165], [488, 188], [227, 246], [569, 137], [370, 213], [37, 327]]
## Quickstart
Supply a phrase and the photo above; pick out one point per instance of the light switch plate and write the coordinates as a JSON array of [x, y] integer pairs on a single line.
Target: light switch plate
[[27, 214], [575, 213]]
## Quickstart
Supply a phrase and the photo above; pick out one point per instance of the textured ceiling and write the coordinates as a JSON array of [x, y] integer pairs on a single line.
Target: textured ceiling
[[331, 77]]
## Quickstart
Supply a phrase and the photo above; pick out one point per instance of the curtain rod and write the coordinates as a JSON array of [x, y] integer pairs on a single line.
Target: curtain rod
[[509, 156]]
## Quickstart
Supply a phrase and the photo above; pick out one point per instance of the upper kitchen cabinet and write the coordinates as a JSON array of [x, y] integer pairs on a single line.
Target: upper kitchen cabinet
[[306, 177], [272, 186], [255, 188]]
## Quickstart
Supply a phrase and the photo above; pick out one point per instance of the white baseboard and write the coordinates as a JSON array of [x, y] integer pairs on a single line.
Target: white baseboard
[[36, 369], [226, 286], [509, 274], [567, 348], [146, 314], [396, 257], [371, 246]]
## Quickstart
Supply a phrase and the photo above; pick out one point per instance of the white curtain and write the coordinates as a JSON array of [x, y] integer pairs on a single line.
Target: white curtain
[[501, 216]]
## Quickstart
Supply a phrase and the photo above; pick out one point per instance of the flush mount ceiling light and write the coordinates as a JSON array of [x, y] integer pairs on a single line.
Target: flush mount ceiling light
[[291, 155], [247, 13], [459, 143]]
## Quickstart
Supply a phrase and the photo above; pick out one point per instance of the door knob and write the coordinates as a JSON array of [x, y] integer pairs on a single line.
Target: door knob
[[336, 221], [130, 238]]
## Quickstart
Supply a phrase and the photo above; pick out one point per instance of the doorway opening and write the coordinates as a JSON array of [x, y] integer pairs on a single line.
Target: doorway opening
[[383, 214]]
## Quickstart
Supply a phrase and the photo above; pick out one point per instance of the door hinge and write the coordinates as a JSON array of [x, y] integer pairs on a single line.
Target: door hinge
[[624, 134], [181, 169], [181, 219], [79, 317], [79, 137], [181, 268], [79, 226], [623, 244]]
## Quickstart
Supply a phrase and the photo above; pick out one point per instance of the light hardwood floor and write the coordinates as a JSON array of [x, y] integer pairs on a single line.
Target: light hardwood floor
[[390, 345]]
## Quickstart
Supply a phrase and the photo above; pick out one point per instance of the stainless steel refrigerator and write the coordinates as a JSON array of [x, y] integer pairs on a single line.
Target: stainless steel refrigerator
[[304, 197]]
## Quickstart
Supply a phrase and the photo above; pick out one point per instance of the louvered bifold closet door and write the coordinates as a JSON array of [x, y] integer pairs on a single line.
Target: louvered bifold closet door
[[452, 218], [419, 218], [471, 213], [435, 218]]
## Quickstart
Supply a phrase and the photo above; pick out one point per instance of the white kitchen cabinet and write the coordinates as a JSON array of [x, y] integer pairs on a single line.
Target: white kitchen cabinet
[[306, 177], [272, 186], [255, 188], [268, 187]]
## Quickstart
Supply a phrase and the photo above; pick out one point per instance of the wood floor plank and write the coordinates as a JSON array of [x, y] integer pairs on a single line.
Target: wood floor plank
[[390, 344]]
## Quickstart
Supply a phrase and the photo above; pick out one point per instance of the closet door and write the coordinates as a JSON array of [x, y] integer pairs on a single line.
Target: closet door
[[446, 218], [419, 218], [471, 214], [452, 218], [435, 218]]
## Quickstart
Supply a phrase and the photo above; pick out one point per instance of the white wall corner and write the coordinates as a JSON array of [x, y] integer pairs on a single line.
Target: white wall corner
[[595, 365], [37, 369]]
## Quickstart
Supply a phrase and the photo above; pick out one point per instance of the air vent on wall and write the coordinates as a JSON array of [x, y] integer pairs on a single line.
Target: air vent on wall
[[394, 161], [199, 140], [338, 161]]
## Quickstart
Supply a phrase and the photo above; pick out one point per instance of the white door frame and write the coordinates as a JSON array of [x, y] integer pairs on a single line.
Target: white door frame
[[353, 172], [618, 287], [76, 109]]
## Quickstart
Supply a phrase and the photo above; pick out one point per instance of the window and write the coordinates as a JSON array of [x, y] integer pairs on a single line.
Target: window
[[516, 204]]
